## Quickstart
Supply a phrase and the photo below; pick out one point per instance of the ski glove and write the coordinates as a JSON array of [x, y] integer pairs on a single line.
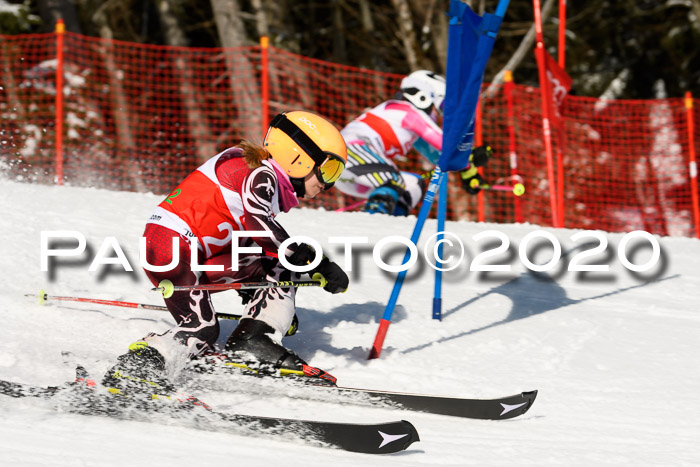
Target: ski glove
[[480, 156], [303, 254], [332, 277], [471, 180]]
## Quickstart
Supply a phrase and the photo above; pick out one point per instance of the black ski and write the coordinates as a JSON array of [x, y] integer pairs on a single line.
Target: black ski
[[484, 409], [500, 408], [376, 438]]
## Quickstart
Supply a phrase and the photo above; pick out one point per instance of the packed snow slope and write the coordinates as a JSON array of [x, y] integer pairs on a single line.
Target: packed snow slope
[[613, 354]]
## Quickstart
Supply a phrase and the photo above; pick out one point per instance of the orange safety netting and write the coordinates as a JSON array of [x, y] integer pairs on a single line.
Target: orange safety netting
[[141, 117]]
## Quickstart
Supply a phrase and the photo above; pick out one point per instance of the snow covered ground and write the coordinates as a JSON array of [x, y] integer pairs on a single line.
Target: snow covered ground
[[614, 354]]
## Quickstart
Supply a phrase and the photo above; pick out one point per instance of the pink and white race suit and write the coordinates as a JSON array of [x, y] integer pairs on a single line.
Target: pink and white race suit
[[376, 138]]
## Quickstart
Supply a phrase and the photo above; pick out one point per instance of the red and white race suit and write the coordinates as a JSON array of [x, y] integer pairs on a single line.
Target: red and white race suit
[[221, 197]]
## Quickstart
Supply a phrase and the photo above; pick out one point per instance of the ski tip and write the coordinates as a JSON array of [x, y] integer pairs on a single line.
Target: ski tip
[[413, 435], [530, 397], [396, 437]]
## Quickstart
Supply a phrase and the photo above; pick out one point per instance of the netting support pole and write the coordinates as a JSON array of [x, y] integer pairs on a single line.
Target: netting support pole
[[60, 30], [264, 84], [512, 154], [692, 165]]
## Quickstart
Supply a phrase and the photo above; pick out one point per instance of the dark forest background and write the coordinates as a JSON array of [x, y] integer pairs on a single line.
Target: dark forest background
[[620, 49]]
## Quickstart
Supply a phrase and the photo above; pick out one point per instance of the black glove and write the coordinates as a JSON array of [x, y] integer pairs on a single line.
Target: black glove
[[332, 276], [303, 254], [471, 180], [480, 156]]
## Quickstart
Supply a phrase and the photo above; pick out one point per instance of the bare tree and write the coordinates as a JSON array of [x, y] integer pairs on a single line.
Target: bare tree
[[339, 50], [241, 70], [261, 22], [696, 11], [197, 122], [51, 10], [120, 104], [523, 49], [440, 32], [229, 24], [366, 16], [407, 34]]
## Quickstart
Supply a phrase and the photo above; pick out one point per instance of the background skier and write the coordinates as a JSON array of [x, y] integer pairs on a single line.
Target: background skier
[[388, 131]]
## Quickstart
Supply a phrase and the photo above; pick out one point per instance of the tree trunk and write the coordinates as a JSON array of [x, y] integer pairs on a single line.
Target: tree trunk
[[261, 24], [440, 33], [433, 28], [197, 122], [339, 50], [524, 48], [51, 10], [241, 70], [407, 34], [366, 16], [120, 106], [227, 15], [696, 11]]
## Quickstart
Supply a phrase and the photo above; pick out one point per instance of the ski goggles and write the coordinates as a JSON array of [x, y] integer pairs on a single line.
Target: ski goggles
[[327, 166], [329, 171]]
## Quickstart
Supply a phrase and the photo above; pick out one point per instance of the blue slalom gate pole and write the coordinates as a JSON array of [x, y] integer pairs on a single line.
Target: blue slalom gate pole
[[470, 41], [435, 182], [441, 216]]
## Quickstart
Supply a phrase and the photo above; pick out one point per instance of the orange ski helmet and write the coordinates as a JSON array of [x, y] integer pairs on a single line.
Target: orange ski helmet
[[301, 142]]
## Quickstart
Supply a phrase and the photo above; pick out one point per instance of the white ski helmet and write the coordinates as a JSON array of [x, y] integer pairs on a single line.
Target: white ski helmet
[[424, 89]]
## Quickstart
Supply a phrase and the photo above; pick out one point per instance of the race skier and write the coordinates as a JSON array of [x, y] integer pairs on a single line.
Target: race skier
[[241, 189], [388, 131]]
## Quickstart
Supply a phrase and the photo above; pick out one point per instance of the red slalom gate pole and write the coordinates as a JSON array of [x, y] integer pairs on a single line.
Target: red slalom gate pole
[[479, 140], [546, 130], [692, 164]]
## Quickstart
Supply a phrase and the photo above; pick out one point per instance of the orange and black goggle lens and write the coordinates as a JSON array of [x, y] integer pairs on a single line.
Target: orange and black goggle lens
[[329, 171]]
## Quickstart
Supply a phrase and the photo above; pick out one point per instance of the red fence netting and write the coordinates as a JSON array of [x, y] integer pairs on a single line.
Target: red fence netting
[[141, 117]]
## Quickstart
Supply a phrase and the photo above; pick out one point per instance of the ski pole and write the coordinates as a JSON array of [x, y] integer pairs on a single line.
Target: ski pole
[[44, 297], [351, 206], [167, 288], [518, 189]]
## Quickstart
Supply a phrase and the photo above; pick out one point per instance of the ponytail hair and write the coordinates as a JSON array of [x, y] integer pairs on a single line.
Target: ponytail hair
[[253, 153]]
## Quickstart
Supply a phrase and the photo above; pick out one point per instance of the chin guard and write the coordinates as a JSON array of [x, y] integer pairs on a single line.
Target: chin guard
[[299, 187]]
